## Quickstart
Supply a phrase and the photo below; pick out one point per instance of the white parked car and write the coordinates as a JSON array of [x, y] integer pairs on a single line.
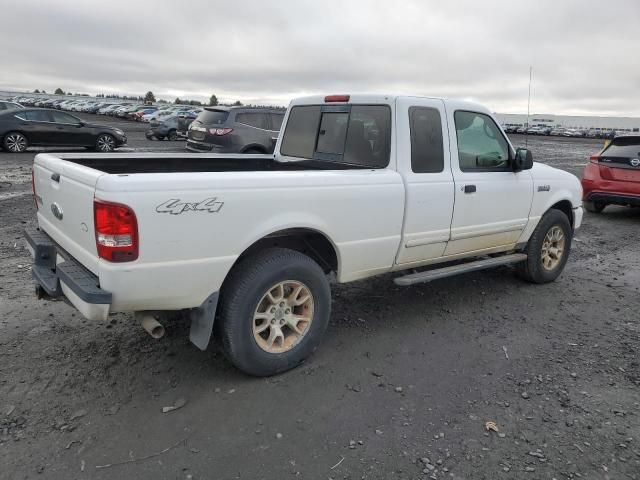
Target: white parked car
[[359, 185]]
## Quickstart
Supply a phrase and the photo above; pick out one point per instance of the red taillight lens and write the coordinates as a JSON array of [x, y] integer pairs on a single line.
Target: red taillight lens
[[116, 230], [337, 98], [33, 186], [594, 158], [220, 131]]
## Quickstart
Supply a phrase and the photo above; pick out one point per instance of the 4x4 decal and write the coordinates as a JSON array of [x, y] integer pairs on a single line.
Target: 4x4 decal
[[175, 207]]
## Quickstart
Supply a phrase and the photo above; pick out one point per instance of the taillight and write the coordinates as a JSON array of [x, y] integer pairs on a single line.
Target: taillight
[[220, 131], [33, 186], [116, 230], [594, 158], [336, 98]]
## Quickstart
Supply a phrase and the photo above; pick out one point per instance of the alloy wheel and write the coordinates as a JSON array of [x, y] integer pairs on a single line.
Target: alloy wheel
[[283, 316], [553, 248], [16, 143], [105, 143]]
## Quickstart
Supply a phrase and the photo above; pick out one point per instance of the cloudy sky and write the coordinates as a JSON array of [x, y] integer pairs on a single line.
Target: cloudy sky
[[585, 54]]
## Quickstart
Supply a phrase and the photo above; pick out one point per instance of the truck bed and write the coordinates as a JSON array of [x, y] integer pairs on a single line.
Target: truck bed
[[126, 163]]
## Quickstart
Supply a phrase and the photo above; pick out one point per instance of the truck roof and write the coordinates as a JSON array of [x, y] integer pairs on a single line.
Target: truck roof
[[380, 98]]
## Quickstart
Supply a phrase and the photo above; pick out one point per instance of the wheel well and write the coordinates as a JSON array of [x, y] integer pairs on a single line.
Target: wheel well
[[306, 241], [254, 147], [15, 131], [565, 207]]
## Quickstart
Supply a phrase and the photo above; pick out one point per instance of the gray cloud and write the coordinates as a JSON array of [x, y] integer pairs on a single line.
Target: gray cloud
[[583, 52]]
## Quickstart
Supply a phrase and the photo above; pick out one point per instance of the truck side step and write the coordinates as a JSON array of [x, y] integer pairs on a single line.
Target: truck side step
[[437, 273]]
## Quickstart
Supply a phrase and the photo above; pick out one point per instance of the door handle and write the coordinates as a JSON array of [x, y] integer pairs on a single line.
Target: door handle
[[469, 189], [55, 177], [60, 128]]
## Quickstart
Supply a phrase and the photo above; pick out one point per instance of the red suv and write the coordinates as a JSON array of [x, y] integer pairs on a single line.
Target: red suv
[[613, 175]]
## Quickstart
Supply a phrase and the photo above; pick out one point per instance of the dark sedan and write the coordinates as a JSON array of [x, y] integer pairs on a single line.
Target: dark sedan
[[20, 129]]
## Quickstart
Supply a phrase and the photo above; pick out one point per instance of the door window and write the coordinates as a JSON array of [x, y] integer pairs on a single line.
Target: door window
[[61, 117], [427, 152], [481, 144]]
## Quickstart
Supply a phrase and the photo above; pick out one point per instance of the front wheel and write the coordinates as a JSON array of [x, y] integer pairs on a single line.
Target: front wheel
[[15, 142], [173, 135], [105, 143], [548, 248], [275, 307]]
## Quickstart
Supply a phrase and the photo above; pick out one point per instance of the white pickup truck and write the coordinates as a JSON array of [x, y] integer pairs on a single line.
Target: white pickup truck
[[359, 185]]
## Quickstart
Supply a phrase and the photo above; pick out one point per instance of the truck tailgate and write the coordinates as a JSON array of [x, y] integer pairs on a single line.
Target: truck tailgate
[[65, 192]]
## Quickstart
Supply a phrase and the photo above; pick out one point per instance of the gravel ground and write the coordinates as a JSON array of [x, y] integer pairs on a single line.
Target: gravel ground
[[401, 388]]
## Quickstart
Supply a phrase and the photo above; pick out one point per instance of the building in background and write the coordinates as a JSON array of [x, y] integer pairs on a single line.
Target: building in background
[[618, 124]]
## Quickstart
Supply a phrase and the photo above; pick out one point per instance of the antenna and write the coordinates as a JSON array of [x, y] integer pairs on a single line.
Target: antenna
[[526, 138]]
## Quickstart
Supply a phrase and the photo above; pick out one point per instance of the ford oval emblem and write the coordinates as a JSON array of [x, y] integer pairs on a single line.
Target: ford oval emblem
[[635, 162], [56, 210]]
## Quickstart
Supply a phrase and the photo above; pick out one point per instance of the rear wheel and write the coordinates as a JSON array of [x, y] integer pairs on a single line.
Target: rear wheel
[[275, 307], [547, 249], [173, 135], [253, 150], [594, 207], [15, 142], [105, 143]]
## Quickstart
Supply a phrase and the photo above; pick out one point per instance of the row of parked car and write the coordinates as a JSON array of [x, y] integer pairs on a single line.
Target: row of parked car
[[130, 111], [562, 132]]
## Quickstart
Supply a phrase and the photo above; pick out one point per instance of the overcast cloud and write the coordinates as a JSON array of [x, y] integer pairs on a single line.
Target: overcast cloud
[[585, 54]]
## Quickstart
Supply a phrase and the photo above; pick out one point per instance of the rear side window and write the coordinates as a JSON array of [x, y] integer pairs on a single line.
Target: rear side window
[[213, 117], [427, 152], [38, 116], [276, 120], [257, 120], [357, 135]]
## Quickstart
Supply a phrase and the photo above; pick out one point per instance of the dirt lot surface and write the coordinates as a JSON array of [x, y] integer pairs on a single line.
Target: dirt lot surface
[[401, 388]]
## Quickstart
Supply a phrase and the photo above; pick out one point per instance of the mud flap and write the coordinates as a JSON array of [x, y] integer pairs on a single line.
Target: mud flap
[[202, 319]]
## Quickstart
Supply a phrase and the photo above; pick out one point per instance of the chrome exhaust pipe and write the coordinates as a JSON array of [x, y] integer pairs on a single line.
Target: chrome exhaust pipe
[[150, 323]]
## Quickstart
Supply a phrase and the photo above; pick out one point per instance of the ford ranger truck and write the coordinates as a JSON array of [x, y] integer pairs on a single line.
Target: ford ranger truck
[[358, 186]]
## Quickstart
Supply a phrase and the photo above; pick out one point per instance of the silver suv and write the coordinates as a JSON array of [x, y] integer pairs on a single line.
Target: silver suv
[[235, 130]]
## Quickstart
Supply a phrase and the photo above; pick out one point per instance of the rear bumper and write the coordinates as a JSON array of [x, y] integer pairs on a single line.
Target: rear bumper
[[613, 198], [58, 274], [196, 146]]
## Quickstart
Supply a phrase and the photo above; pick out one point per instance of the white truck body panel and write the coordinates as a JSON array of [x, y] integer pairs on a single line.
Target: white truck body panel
[[378, 220]]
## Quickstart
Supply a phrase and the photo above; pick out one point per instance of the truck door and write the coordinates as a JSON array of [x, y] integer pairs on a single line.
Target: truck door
[[492, 202], [425, 164]]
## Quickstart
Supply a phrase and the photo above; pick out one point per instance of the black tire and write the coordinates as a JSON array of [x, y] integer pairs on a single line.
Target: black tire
[[594, 207], [173, 135], [533, 269], [105, 143], [253, 151], [15, 142], [246, 288]]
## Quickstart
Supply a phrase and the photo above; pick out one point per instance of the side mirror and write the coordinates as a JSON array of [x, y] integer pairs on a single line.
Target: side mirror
[[80, 124], [523, 160]]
